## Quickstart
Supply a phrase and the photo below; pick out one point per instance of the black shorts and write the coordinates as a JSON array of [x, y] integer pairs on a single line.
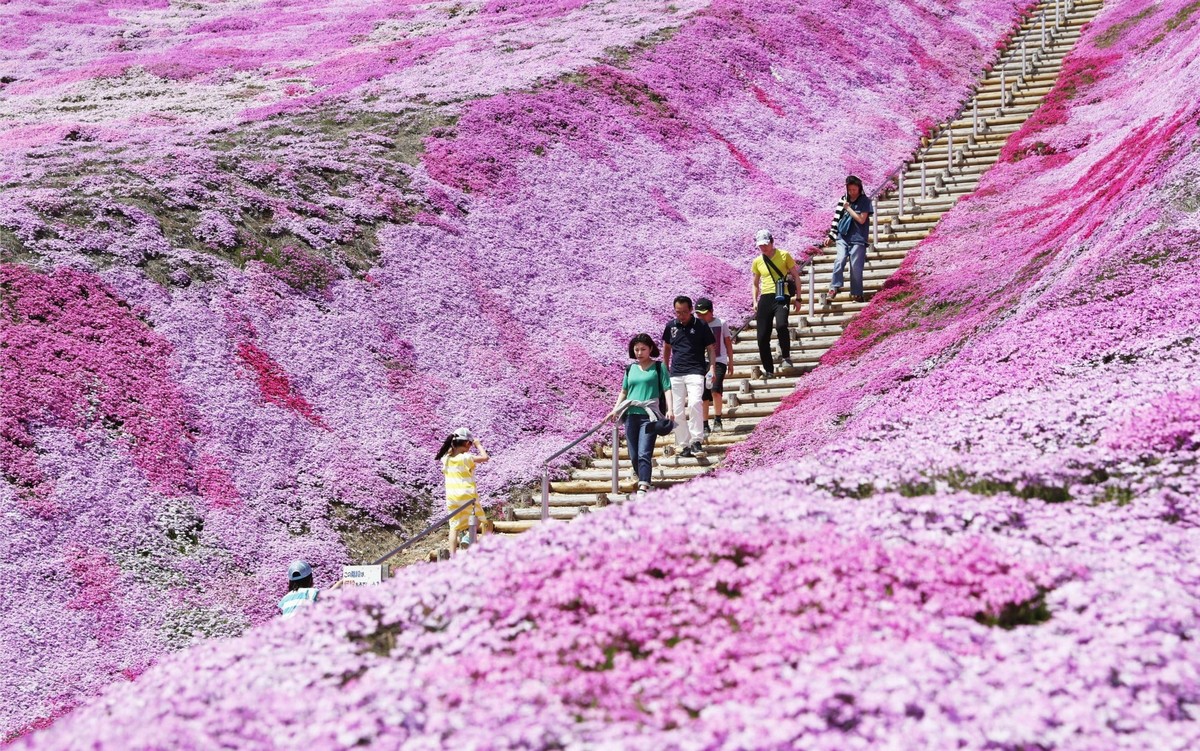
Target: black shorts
[[718, 386]]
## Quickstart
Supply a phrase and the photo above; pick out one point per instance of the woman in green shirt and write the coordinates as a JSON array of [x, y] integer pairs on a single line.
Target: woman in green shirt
[[646, 382]]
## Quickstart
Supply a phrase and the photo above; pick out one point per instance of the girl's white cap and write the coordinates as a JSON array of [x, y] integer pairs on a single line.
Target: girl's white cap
[[462, 434]]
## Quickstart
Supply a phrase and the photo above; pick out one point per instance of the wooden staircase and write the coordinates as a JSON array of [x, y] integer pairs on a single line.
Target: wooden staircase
[[952, 163]]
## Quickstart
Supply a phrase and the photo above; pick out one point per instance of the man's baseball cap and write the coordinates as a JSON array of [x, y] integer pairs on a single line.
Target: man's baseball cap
[[462, 434], [299, 569], [703, 305], [763, 237]]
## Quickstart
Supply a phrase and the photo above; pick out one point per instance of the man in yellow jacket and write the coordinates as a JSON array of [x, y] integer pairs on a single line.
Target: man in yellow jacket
[[772, 269]]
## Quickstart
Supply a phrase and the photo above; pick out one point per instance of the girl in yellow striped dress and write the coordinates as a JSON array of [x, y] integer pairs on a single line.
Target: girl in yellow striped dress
[[458, 466]]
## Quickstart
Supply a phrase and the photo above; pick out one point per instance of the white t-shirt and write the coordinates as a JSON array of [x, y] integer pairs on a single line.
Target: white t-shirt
[[719, 332]]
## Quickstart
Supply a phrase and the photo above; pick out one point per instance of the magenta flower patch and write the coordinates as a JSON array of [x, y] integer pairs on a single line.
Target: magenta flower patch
[[75, 355]]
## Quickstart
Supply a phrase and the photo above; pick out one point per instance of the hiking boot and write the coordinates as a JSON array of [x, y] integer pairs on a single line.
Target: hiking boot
[[707, 432], [717, 426], [686, 452], [786, 363], [697, 449]]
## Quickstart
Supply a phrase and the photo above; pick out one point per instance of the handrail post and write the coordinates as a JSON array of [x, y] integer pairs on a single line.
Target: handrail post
[[900, 189], [975, 115], [1043, 30], [472, 527], [875, 223], [545, 492], [1003, 91], [924, 192], [949, 148], [1024, 67], [616, 456], [812, 288]]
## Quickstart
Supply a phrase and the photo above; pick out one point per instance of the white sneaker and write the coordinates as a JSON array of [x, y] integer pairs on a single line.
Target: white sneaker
[[786, 363]]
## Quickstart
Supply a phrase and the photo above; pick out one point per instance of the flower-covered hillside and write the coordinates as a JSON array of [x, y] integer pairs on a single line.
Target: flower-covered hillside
[[259, 257], [749, 612], [981, 535], [1045, 337]]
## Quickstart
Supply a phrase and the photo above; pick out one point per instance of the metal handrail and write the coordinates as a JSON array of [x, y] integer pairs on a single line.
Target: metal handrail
[[428, 530], [898, 173], [575, 442], [586, 434]]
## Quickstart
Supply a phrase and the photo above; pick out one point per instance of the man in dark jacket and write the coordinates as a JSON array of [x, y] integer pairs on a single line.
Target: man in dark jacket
[[688, 348]]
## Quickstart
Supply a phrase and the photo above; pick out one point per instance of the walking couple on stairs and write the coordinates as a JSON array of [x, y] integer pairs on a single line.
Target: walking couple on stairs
[[657, 398]]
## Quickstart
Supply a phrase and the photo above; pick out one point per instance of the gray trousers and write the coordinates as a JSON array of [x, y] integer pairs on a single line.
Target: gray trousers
[[857, 255]]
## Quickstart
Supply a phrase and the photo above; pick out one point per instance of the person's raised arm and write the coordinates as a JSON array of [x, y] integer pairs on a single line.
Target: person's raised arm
[[483, 454]]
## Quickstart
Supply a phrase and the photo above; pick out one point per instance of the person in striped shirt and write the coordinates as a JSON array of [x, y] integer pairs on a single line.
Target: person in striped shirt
[[301, 592], [458, 467], [850, 233]]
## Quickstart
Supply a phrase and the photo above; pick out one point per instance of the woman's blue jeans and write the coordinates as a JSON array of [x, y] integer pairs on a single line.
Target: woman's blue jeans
[[856, 254], [641, 444]]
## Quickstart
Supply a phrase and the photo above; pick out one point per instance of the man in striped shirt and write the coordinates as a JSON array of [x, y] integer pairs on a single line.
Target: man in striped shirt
[[301, 591]]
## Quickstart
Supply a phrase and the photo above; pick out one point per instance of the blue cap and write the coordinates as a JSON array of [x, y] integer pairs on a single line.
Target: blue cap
[[299, 569]]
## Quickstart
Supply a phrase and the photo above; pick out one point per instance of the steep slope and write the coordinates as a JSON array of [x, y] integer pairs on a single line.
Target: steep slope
[[948, 166], [300, 304], [1047, 328]]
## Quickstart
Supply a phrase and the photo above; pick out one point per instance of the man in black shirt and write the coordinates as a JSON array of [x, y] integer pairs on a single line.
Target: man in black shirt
[[688, 347]]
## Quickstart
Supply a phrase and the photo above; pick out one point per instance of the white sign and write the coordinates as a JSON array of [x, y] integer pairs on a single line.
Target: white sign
[[364, 574]]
